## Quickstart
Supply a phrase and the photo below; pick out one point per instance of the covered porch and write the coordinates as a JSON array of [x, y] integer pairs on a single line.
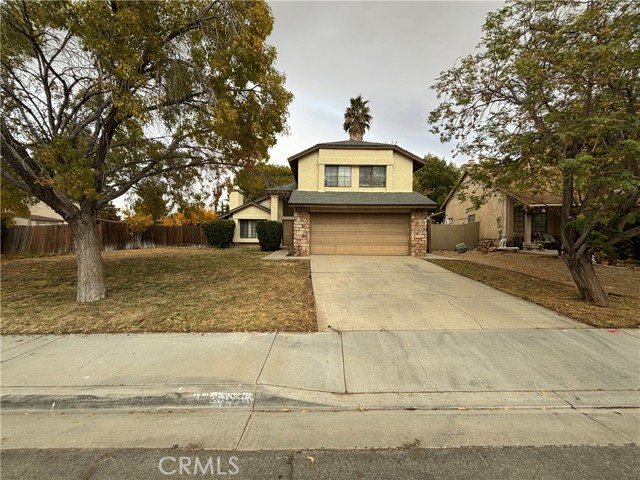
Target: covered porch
[[536, 224]]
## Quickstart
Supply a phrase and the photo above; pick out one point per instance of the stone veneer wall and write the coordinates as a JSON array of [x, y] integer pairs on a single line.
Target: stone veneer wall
[[418, 231], [301, 232]]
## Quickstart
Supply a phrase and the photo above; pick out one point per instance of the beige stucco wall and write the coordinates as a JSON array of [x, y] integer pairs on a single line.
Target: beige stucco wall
[[311, 169], [492, 215], [42, 210], [277, 209], [249, 213], [308, 172], [402, 173]]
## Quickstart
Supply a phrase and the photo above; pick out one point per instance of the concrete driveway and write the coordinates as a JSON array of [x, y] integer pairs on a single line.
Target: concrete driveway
[[407, 293]]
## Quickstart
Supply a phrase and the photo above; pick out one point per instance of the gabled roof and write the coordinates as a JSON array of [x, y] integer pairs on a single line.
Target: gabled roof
[[363, 199], [355, 145], [42, 218], [527, 198], [453, 190], [255, 203], [289, 187], [531, 199]]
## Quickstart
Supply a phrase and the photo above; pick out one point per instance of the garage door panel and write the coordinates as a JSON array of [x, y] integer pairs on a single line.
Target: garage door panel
[[379, 229], [361, 238], [359, 234], [347, 249]]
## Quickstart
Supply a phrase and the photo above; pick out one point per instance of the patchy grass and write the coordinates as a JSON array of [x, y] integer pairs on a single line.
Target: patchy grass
[[547, 282], [161, 290]]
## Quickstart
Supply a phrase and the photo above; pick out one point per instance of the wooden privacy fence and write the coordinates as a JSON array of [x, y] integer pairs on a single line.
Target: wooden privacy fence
[[446, 237], [179, 236], [58, 239]]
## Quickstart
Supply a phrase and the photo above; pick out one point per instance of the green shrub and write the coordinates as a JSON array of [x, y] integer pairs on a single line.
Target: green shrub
[[219, 233], [269, 235], [518, 241], [555, 245]]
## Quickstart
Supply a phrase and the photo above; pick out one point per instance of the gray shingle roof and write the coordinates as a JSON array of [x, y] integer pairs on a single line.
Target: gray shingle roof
[[406, 199], [289, 187], [356, 143]]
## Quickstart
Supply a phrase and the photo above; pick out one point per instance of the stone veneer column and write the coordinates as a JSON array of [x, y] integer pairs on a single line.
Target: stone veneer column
[[418, 232], [301, 232]]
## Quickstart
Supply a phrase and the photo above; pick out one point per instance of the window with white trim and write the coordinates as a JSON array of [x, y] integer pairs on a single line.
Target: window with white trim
[[248, 229], [337, 176]]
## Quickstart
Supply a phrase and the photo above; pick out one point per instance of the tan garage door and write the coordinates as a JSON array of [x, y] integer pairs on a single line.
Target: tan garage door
[[360, 233]]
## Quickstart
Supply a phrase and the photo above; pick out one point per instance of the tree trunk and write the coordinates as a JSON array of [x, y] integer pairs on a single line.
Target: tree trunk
[[585, 279], [90, 279], [574, 248]]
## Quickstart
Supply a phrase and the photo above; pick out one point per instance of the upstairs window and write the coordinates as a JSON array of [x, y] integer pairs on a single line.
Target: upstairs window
[[373, 176], [337, 176]]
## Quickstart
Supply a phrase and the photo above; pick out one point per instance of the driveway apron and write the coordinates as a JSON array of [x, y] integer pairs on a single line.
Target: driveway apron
[[407, 293]]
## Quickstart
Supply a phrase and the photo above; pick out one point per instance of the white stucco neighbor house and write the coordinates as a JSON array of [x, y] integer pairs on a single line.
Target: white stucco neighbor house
[[40, 214], [349, 197]]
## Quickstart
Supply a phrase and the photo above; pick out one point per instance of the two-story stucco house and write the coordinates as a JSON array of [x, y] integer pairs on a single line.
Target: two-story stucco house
[[350, 197]]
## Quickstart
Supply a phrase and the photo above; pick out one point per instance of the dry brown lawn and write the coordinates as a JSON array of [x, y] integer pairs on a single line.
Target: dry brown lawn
[[547, 282], [161, 290]]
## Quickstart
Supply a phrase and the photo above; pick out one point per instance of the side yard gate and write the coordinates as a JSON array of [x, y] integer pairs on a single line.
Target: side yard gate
[[446, 237]]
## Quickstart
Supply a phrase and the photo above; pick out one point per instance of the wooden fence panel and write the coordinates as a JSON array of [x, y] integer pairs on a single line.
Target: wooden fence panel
[[58, 239], [39, 240], [175, 236], [113, 236], [446, 237]]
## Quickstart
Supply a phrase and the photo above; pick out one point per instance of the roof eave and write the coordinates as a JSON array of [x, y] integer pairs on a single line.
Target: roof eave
[[246, 205], [368, 205], [331, 146]]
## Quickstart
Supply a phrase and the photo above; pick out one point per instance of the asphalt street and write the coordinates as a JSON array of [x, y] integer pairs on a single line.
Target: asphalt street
[[584, 463]]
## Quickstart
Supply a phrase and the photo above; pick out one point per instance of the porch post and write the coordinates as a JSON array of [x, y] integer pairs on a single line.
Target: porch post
[[275, 207], [527, 226]]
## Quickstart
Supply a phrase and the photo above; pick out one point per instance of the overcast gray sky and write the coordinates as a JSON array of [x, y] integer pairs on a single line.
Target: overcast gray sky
[[388, 51]]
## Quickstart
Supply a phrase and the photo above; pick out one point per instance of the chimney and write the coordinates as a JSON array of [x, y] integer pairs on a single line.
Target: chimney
[[469, 165], [236, 199]]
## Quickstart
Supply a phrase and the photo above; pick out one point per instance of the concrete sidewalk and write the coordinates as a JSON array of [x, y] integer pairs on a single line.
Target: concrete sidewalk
[[322, 390]]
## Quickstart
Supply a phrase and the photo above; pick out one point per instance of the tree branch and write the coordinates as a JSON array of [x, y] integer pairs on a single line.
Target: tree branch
[[624, 236]]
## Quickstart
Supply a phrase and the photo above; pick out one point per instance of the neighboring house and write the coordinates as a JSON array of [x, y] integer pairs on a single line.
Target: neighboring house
[[41, 214], [531, 217], [350, 197]]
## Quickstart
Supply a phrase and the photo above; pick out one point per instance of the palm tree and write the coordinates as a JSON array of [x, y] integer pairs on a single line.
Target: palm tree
[[357, 118]]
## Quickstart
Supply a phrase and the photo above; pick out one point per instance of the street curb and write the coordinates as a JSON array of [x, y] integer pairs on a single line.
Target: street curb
[[260, 402], [64, 402]]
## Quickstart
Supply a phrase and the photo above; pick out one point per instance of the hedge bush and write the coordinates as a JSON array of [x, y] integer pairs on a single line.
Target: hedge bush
[[269, 235], [219, 233]]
